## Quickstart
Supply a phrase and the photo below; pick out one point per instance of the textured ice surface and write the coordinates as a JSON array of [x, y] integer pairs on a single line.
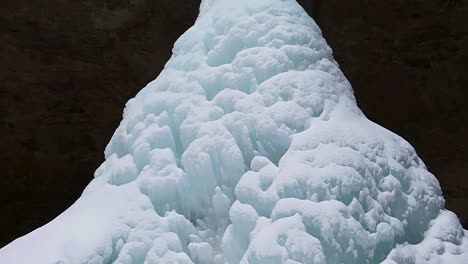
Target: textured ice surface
[[249, 148]]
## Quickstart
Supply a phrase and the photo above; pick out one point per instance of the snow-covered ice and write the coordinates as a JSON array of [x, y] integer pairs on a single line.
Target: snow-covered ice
[[249, 148]]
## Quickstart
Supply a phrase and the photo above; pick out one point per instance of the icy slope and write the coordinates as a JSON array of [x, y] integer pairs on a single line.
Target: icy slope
[[249, 148]]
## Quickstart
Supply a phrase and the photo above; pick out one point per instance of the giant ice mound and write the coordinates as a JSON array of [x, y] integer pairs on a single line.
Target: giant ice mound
[[249, 148]]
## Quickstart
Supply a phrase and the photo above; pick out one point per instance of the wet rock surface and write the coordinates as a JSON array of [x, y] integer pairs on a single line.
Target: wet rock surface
[[68, 67]]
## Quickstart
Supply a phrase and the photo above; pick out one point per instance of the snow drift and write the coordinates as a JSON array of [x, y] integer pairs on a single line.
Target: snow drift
[[249, 148]]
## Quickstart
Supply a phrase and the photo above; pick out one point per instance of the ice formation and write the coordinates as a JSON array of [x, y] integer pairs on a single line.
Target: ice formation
[[249, 148]]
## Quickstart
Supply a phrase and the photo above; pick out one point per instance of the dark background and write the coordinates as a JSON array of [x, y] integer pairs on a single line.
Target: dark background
[[67, 68]]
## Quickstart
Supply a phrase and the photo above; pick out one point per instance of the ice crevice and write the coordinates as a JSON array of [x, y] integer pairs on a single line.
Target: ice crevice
[[249, 147]]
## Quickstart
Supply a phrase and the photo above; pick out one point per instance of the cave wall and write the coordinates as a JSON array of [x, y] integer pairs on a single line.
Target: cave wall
[[68, 67]]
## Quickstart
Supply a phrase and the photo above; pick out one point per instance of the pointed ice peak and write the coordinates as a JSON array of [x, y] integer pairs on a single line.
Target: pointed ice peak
[[249, 148], [229, 8], [205, 6]]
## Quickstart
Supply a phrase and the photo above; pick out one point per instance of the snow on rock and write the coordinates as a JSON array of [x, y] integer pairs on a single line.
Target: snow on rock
[[249, 148]]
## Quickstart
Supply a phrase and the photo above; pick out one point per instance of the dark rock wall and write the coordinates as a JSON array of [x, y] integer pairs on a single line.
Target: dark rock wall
[[68, 67]]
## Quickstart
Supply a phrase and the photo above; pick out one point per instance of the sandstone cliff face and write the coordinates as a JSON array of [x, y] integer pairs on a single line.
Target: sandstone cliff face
[[68, 67]]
